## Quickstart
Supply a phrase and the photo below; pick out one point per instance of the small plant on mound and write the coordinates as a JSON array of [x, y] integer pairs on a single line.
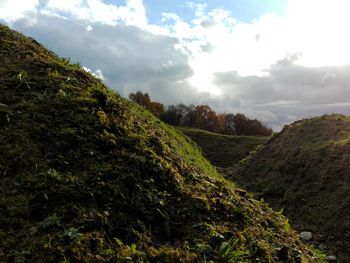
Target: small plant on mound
[[230, 252]]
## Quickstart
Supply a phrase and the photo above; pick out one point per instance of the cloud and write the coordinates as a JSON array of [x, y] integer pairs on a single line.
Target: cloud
[[318, 30], [133, 13], [89, 28], [288, 91], [276, 69], [98, 73], [130, 58], [16, 9]]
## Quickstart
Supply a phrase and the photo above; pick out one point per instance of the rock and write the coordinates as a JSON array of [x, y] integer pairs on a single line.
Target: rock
[[306, 235], [322, 246], [331, 258]]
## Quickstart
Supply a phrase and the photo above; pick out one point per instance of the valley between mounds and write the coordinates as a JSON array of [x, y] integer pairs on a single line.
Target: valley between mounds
[[302, 171]]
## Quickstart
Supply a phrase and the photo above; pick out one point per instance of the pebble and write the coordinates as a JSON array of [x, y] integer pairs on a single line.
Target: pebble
[[331, 258], [322, 246], [306, 235]]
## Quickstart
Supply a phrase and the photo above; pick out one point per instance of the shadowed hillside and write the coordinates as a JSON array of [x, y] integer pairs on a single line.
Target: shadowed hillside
[[305, 170], [86, 176], [224, 150]]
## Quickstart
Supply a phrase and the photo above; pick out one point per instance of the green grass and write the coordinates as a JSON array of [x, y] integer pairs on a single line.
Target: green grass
[[87, 176], [223, 150], [230, 252], [304, 169]]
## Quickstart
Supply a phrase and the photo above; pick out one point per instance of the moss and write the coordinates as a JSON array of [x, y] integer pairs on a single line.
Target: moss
[[304, 169], [87, 176]]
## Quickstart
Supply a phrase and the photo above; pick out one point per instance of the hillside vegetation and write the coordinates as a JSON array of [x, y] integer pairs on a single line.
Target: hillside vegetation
[[305, 170], [86, 176], [224, 150]]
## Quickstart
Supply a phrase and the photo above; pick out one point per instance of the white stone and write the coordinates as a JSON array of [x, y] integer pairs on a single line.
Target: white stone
[[306, 235], [322, 246], [331, 258]]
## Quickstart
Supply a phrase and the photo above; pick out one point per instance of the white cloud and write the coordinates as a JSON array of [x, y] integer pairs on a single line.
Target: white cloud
[[98, 73], [133, 13], [289, 91], [130, 58], [313, 29], [215, 41], [89, 28], [177, 26], [12, 10], [65, 5], [318, 30], [274, 68]]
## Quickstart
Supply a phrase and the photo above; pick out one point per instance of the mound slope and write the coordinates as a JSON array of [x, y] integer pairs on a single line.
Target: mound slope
[[305, 170], [86, 176], [224, 150]]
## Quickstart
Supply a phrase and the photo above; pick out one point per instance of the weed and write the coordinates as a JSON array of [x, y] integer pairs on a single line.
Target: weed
[[230, 251], [50, 221]]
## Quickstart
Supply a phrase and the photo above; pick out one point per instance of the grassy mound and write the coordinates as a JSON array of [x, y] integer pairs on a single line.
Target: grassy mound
[[86, 176], [223, 150], [305, 170]]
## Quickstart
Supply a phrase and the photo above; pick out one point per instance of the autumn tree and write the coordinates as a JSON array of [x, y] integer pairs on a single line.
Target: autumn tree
[[156, 108], [140, 98], [245, 126], [220, 123], [206, 118], [202, 117], [144, 100]]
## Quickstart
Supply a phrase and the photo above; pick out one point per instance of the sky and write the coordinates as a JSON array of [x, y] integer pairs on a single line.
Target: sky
[[274, 60]]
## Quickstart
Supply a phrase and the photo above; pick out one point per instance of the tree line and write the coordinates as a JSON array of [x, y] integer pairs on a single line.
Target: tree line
[[201, 117]]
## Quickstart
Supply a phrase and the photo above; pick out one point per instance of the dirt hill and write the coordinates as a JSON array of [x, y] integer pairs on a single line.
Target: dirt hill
[[305, 170], [86, 176]]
